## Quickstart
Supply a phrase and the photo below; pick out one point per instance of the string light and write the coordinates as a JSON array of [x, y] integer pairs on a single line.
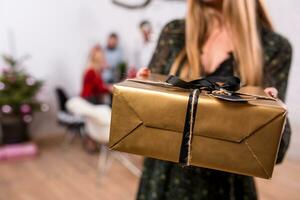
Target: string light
[[45, 107], [2, 86], [30, 81], [6, 109], [27, 118], [25, 108]]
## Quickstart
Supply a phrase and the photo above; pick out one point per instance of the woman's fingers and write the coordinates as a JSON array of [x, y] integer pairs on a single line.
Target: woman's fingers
[[143, 72], [110, 87], [271, 91]]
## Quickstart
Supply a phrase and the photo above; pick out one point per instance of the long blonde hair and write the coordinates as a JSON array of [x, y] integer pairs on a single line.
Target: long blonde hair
[[95, 62], [242, 17]]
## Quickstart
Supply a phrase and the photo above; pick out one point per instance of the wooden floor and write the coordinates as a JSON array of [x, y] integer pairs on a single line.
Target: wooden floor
[[69, 173]]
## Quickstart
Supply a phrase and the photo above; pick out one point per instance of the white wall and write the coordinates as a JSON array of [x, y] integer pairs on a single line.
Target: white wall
[[58, 34], [286, 17]]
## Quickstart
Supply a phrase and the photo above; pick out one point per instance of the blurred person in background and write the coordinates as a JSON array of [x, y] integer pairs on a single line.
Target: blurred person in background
[[94, 88], [114, 57], [217, 38], [143, 49]]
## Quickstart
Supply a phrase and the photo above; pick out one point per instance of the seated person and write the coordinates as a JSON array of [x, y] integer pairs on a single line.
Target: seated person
[[94, 88]]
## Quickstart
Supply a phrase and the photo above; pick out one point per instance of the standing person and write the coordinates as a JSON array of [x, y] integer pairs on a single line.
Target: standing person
[[217, 38], [114, 56], [144, 47], [93, 87]]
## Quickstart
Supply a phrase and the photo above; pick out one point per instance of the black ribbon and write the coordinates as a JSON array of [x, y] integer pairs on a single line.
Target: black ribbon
[[229, 84], [211, 83]]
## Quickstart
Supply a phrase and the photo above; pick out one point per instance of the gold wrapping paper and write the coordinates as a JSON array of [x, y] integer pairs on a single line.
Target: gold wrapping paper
[[237, 137]]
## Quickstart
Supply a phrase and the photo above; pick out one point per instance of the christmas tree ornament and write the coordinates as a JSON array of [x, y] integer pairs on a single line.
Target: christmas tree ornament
[[6, 109], [25, 108], [30, 81], [45, 107], [27, 118], [2, 86]]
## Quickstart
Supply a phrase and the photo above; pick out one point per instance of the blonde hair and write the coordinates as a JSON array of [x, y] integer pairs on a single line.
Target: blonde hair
[[93, 62], [242, 17]]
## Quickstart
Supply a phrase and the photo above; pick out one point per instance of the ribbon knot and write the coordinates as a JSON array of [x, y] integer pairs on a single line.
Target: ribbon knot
[[212, 83]]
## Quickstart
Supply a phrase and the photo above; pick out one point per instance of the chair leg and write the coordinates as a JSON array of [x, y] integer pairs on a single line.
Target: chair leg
[[69, 137], [81, 132], [106, 157], [125, 161], [66, 139], [73, 137], [104, 160]]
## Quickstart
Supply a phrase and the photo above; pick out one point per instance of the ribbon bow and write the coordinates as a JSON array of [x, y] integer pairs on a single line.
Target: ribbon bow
[[213, 83]]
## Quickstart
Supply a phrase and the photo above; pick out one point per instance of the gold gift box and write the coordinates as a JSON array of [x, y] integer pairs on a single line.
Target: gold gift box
[[239, 137]]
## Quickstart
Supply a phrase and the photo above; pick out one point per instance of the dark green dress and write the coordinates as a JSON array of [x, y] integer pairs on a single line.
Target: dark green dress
[[163, 180]]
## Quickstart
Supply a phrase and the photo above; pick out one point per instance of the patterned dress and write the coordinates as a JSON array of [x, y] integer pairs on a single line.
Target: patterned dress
[[163, 180]]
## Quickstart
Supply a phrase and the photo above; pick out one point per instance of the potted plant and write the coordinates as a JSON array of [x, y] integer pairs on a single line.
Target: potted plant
[[18, 101]]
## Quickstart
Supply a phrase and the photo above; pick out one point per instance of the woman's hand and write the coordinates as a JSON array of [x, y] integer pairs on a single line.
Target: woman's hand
[[110, 88], [143, 73], [271, 91]]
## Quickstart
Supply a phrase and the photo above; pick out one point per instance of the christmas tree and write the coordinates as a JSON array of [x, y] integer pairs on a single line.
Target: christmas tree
[[18, 91]]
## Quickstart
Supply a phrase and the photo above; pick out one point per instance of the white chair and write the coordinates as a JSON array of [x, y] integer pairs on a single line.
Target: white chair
[[97, 123]]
